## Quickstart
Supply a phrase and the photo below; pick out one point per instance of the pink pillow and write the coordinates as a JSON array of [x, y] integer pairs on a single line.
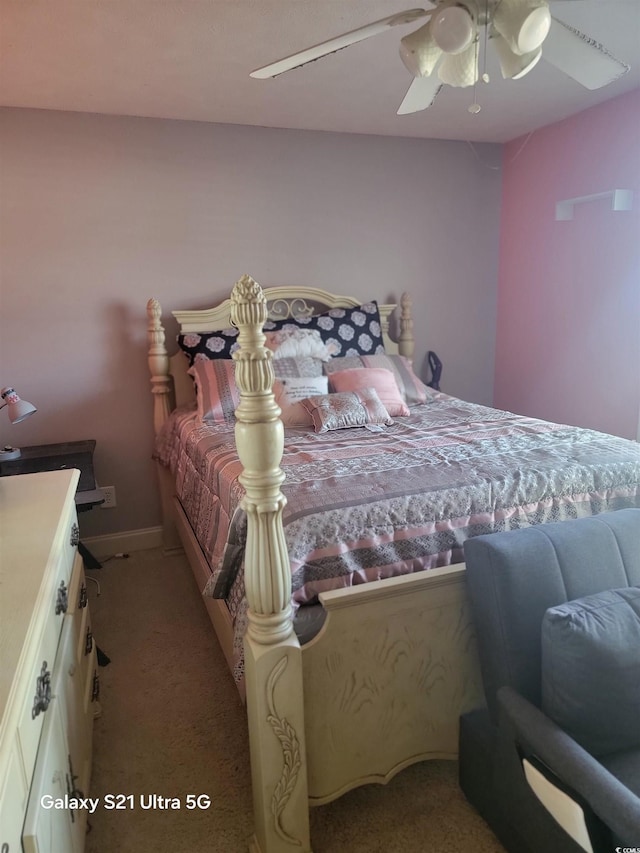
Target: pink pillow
[[412, 389], [357, 378], [217, 394]]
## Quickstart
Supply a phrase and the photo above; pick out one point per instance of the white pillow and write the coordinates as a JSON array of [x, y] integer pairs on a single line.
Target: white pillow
[[293, 342], [289, 392]]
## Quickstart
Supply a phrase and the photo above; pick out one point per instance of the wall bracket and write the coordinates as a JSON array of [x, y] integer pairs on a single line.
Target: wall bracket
[[620, 200]]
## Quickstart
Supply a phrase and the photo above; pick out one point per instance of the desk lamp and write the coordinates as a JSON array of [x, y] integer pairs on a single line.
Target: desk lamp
[[18, 410]]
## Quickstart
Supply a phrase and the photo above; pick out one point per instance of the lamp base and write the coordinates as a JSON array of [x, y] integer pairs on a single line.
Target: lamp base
[[8, 453]]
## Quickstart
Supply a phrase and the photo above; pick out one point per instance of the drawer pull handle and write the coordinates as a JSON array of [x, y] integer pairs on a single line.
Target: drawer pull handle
[[62, 601], [75, 535], [84, 598], [73, 791], [4, 848], [95, 693], [88, 645], [43, 692]]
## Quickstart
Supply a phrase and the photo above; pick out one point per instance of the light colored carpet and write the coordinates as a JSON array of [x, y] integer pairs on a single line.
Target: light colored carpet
[[172, 724]]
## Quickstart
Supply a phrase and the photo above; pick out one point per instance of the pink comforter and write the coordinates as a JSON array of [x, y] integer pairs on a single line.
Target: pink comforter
[[364, 505]]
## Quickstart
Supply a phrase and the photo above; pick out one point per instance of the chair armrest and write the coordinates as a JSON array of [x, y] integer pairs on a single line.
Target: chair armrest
[[577, 770]]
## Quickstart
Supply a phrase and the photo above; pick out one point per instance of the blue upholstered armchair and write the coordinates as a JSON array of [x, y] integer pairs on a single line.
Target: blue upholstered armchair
[[553, 761]]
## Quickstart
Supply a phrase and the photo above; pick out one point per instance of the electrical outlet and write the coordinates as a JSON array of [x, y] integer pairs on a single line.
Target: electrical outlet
[[109, 493]]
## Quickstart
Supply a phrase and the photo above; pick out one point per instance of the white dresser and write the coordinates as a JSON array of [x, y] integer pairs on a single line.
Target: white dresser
[[48, 677]]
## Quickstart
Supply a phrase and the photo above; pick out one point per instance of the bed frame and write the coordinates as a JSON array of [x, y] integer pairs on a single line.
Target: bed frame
[[384, 682]]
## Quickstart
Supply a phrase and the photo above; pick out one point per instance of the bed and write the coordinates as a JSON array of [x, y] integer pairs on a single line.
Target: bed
[[385, 678]]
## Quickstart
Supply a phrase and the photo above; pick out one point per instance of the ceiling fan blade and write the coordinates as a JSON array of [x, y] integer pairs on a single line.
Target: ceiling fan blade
[[420, 95], [582, 58], [337, 43]]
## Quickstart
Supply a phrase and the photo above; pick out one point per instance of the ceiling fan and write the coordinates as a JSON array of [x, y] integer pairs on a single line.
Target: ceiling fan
[[446, 49]]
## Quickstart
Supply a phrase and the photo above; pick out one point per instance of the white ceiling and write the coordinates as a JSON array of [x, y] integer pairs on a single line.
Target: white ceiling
[[190, 59]]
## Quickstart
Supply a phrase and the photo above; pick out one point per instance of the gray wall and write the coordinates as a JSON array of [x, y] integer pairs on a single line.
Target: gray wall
[[99, 213]]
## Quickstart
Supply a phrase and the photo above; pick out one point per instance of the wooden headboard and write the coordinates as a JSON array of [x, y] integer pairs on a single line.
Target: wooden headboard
[[172, 386]]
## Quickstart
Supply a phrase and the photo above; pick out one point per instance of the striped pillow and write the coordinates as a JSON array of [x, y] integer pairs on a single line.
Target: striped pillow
[[295, 368], [217, 394]]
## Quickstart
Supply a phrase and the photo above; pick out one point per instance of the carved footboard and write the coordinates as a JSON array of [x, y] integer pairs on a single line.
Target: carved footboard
[[386, 680]]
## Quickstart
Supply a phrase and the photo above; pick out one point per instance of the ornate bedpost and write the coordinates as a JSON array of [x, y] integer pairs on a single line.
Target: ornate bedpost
[[406, 344], [158, 365], [162, 389], [273, 661]]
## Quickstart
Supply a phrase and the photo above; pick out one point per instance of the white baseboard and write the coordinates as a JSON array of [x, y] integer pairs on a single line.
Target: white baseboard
[[128, 540]]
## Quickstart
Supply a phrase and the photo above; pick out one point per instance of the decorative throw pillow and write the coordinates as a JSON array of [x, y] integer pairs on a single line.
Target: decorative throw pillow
[[289, 393], [346, 331], [292, 368], [204, 345], [217, 394], [412, 389], [591, 669], [294, 342], [356, 378], [346, 409]]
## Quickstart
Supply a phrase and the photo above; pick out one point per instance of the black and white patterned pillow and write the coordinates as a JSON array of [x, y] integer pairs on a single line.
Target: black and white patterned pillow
[[199, 345], [346, 331]]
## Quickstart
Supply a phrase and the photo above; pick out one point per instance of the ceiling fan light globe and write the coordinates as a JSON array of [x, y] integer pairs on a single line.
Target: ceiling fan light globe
[[513, 65], [453, 29], [534, 30], [419, 52], [524, 24]]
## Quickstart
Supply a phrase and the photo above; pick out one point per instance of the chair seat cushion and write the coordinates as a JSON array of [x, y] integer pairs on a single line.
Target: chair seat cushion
[[591, 669]]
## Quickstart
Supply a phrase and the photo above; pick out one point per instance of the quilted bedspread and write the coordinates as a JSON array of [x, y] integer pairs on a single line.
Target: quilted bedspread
[[363, 505]]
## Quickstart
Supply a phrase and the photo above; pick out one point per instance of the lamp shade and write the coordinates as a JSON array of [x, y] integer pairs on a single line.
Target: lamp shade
[[460, 69], [419, 52], [17, 409]]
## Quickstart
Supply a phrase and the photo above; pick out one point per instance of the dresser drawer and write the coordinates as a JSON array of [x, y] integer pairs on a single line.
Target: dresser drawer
[[49, 830], [33, 712], [13, 801], [64, 758], [77, 715]]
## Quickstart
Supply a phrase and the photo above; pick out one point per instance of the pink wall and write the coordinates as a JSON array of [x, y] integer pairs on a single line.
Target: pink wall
[[568, 333]]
